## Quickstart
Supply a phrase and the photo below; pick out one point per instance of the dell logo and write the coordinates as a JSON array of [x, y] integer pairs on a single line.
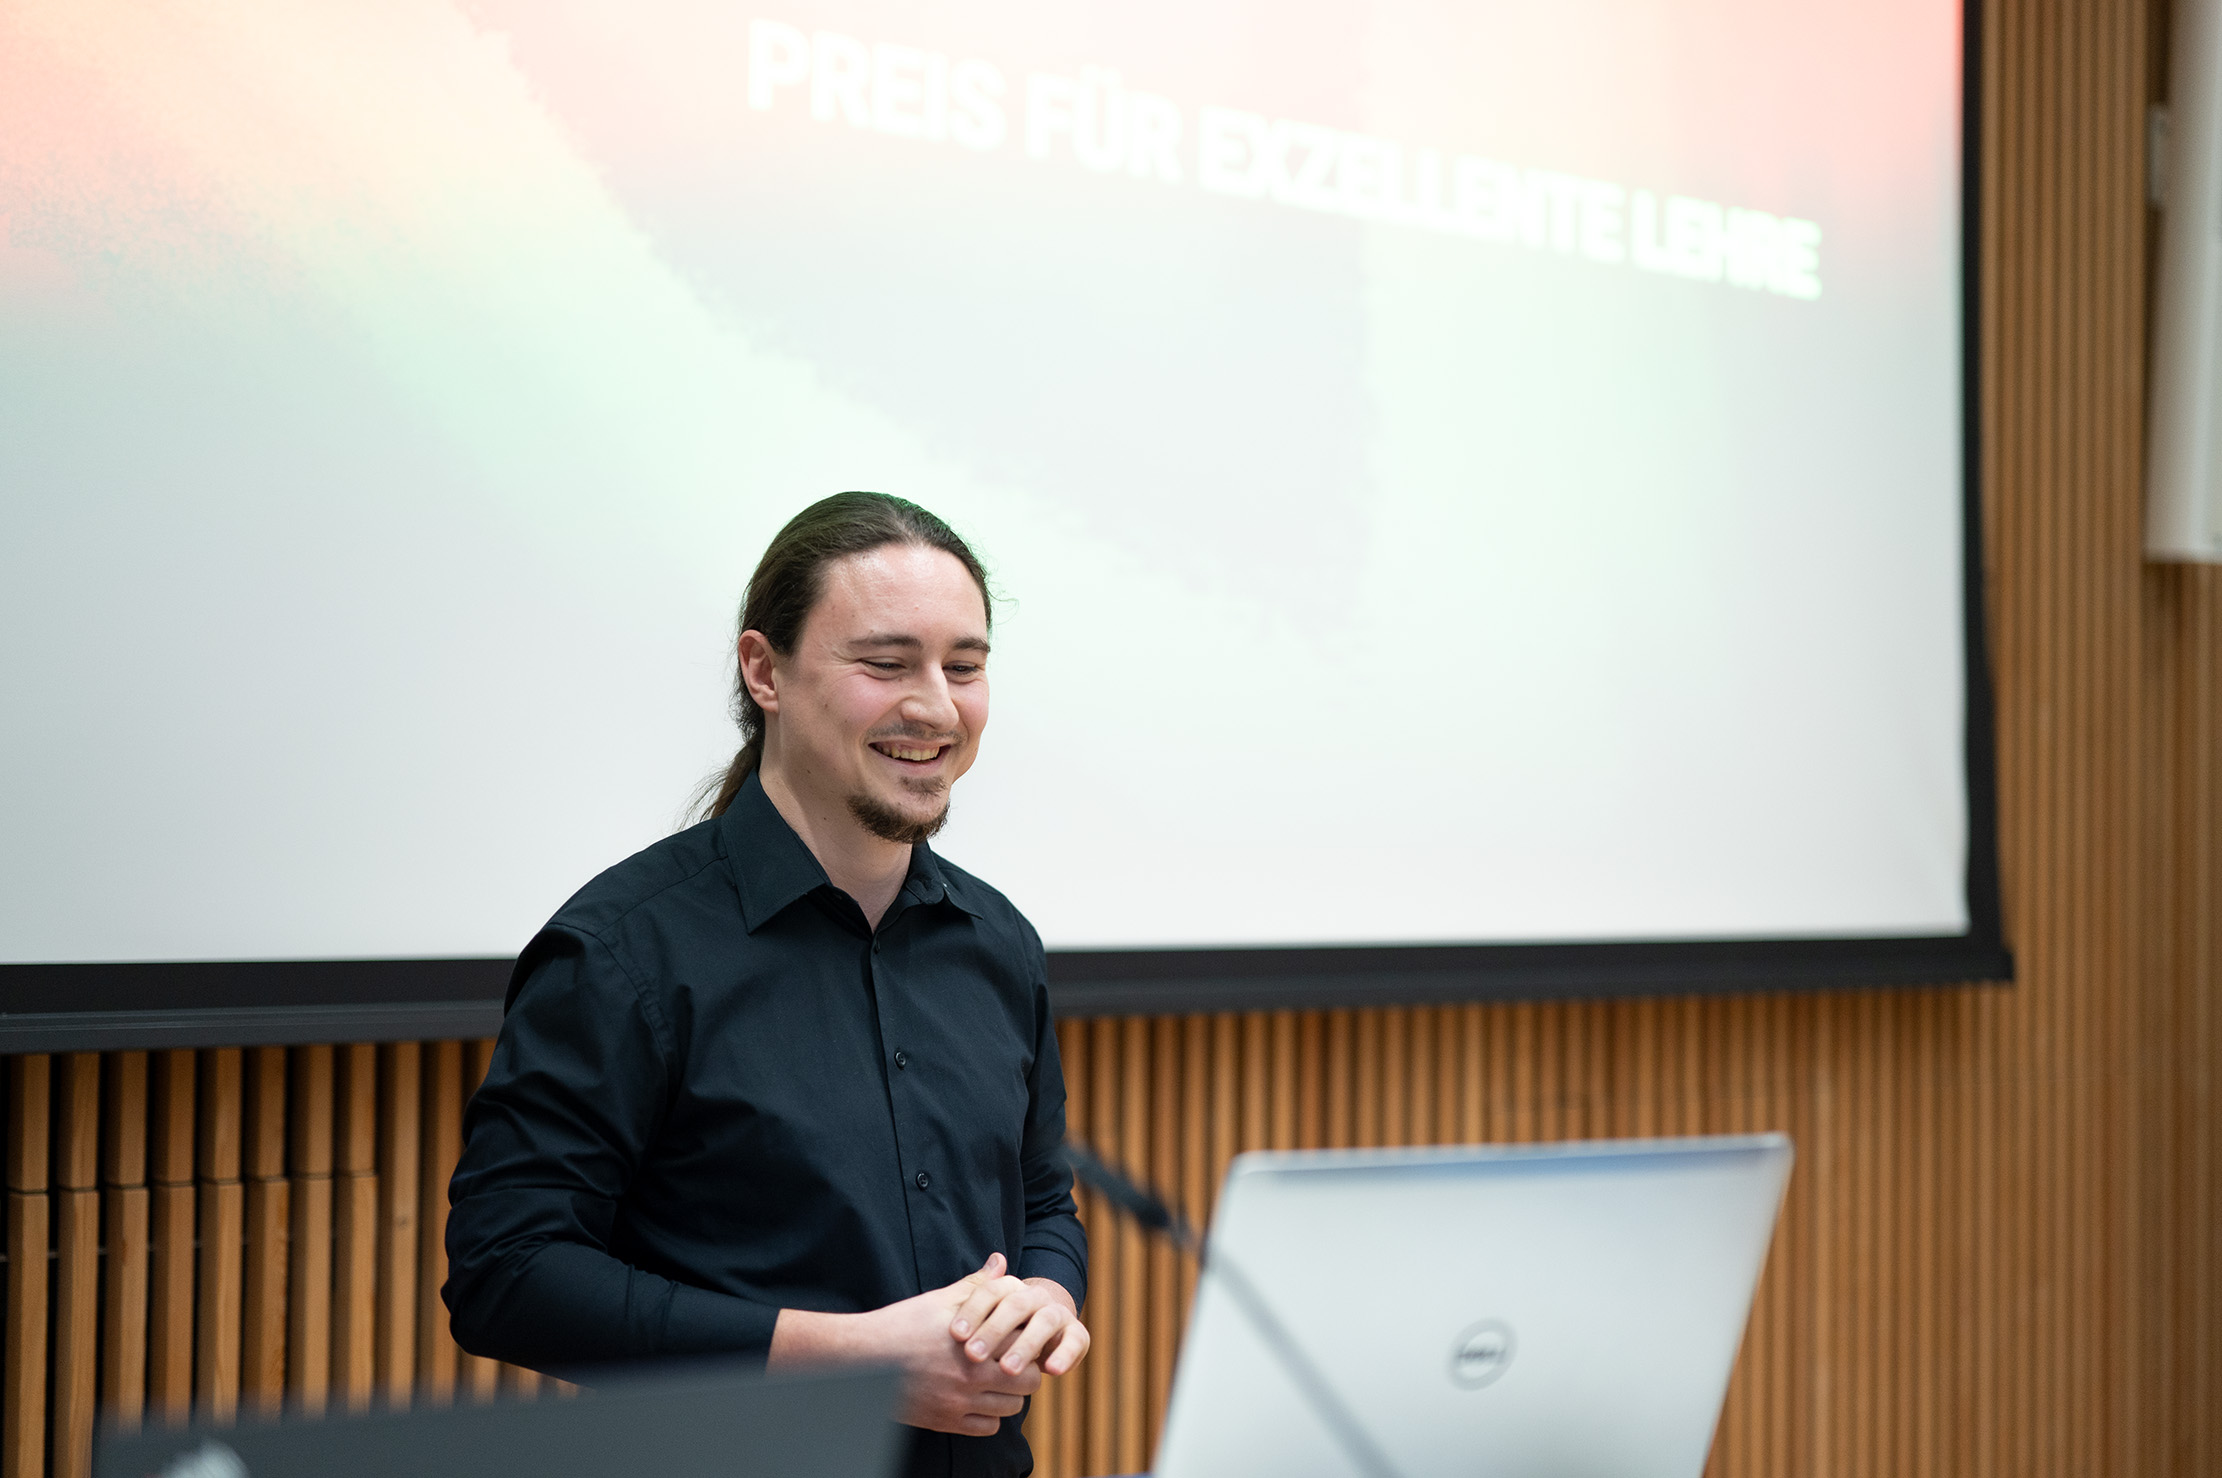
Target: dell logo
[[1480, 1354]]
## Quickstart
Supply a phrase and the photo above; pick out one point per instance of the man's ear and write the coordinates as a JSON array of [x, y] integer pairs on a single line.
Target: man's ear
[[757, 659]]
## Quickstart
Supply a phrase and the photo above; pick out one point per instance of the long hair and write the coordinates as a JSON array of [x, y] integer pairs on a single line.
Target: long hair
[[790, 578]]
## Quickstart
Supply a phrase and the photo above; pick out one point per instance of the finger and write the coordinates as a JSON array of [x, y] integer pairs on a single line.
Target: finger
[[968, 1288], [973, 1425], [1024, 1381], [980, 1303], [1040, 1332], [995, 1404], [971, 1282], [1070, 1351], [983, 1302], [992, 1268], [1010, 1316]]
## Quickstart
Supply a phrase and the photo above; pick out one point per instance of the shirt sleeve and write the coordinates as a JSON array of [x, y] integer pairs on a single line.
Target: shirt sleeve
[[1056, 1246], [577, 1087]]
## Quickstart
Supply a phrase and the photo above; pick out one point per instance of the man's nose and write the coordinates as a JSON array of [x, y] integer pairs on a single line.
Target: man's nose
[[930, 704]]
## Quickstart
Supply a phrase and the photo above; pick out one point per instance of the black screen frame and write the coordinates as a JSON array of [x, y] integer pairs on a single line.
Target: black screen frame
[[98, 1007]]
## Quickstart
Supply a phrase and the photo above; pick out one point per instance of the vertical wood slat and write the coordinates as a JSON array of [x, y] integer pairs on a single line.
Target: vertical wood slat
[[1414, 1080], [355, 1226], [443, 1145], [1311, 1077], [1195, 1183], [1365, 1078], [220, 1317], [170, 1237], [1282, 1113], [125, 1210], [30, 1091], [400, 1144], [1341, 1089], [76, 1351], [76, 1193], [268, 1250], [1162, 1125], [23, 1347], [1132, 1348], [23, 1433], [309, 1161]]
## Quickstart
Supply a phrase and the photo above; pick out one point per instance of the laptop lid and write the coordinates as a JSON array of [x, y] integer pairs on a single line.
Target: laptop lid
[[689, 1423], [1520, 1310]]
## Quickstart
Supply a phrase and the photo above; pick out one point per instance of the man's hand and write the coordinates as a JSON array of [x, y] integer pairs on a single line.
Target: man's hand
[[942, 1389], [1017, 1324]]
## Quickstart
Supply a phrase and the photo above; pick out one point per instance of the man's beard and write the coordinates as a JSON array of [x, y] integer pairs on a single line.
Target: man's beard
[[891, 825]]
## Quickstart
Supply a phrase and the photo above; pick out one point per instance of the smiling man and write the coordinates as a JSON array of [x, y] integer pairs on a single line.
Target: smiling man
[[784, 1085]]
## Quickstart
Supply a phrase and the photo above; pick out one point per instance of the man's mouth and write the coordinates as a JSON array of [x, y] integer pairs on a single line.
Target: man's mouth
[[911, 753]]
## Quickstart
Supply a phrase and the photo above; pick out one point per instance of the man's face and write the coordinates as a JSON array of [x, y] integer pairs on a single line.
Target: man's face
[[880, 706]]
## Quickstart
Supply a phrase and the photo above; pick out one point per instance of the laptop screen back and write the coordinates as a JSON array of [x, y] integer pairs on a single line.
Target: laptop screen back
[[1555, 1309]]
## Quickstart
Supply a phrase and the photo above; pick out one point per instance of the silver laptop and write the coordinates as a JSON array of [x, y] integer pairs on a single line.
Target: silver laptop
[[1529, 1310]]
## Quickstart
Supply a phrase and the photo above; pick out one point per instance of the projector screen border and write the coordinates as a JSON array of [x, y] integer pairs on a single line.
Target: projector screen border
[[1135, 983], [154, 1005]]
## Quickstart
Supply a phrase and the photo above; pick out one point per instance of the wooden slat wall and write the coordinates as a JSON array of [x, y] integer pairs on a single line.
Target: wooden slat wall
[[1999, 1254], [187, 1258]]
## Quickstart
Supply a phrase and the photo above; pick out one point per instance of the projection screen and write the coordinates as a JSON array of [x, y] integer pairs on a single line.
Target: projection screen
[[1465, 484]]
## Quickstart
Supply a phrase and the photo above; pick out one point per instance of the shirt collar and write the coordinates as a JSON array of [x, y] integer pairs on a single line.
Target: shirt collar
[[772, 868], [930, 881]]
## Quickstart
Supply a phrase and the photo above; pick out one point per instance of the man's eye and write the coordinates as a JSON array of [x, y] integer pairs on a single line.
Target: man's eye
[[965, 669], [884, 666]]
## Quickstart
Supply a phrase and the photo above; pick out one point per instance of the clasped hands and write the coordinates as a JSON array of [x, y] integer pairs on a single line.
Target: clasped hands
[[970, 1353]]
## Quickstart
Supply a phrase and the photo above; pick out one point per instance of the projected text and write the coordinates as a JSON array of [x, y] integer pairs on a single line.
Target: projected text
[[1094, 120]]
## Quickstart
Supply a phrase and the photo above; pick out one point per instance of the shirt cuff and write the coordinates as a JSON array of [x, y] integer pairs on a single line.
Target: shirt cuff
[[700, 1322], [1054, 1264]]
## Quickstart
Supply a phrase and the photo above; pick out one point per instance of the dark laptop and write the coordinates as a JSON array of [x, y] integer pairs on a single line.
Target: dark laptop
[[693, 1422]]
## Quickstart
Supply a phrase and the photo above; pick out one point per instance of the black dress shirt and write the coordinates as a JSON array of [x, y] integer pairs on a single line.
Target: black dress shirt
[[718, 1094]]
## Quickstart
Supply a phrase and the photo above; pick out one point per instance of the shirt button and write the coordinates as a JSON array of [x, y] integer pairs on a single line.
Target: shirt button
[[902, 1059], [924, 1180]]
